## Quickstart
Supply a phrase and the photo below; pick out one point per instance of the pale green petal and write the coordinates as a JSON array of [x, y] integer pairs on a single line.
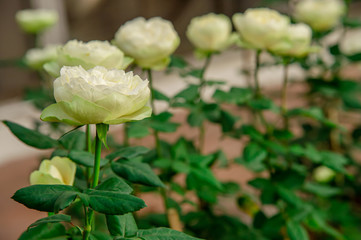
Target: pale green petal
[[38, 177], [52, 68], [54, 113], [66, 167], [47, 167], [138, 115], [155, 65], [84, 111], [126, 62]]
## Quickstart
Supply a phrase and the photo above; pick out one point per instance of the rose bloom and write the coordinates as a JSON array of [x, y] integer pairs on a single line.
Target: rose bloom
[[295, 43], [321, 15], [58, 170], [260, 27], [36, 20], [35, 58], [211, 32], [351, 43], [150, 42], [96, 96]]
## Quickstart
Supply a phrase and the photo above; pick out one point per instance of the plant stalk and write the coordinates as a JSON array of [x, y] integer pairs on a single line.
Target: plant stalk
[[284, 97], [152, 99], [90, 213], [200, 91]]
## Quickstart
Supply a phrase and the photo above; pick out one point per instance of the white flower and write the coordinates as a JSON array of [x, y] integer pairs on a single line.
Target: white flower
[[98, 96], [58, 170], [351, 43], [260, 27], [321, 15], [149, 42], [37, 57], [211, 32], [36, 20], [295, 43]]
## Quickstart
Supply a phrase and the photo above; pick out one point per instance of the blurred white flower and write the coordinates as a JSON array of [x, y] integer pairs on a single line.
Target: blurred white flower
[[36, 20]]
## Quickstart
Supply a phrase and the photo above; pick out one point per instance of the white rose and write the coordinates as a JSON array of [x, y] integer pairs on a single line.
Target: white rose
[[98, 96], [37, 57], [295, 43], [260, 27], [211, 32], [351, 43], [149, 42], [36, 20], [58, 170], [321, 15]]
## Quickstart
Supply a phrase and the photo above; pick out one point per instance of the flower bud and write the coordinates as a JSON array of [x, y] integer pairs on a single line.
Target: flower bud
[[260, 28], [295, 43], [58, 170], [321, 15], [98, 96], [351, 43], [149, 42], [36, 20], [211, 32], [323, 174], [35, 58]]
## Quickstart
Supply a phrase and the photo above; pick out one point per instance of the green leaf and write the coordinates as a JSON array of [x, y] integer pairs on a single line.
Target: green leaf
[[84, 158], [128, 152], [160, 122], [177, 62], [321, 189], [196, 118], [115, 184], [289, 196], [197, 73], [254, 153], [188, 94], [163, 234], [160, 96], [122, 225], [102, 130], [205, 176], [45, 231], [334, 161], [42, 197], [64, 200], [74, 140], [261, 104], [52, 219], [31, 137], [113, 203], [296, 231], [138, 129], [137, 172]]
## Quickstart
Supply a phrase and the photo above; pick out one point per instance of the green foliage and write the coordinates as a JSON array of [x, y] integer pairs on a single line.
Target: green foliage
[[31, 137]]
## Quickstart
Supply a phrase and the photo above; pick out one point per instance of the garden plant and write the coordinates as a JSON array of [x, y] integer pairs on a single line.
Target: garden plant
[[304, 160]]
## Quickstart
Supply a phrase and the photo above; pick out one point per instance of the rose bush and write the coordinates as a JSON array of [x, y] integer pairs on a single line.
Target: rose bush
[[150, 42], [98, 96], [58, 170], [211, 32], [36, 20], [321, 15], [260, 28]]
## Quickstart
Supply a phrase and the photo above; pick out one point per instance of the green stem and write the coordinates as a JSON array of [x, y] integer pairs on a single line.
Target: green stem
[[284, 96], [89, 149], [256, 71], [152, 99], [258, 93], [98, 150], [125, 135], [90, 212], [200, 90]]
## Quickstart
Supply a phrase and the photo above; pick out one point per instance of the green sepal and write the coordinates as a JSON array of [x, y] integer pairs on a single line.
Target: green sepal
[[102, 130]]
